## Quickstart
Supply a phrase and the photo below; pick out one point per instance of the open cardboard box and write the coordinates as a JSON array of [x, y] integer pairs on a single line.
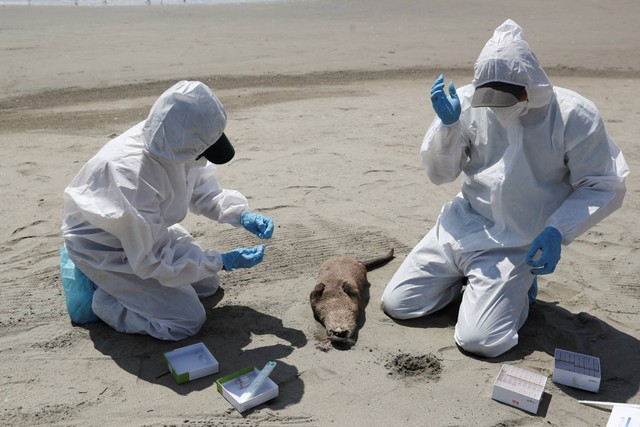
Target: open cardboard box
[[519, 388], [191, 362], [234, 385], [576, 370]]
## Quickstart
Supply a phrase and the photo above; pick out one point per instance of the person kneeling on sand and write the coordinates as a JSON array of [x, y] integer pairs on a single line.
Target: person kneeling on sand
[[122, 213], [539, 170]]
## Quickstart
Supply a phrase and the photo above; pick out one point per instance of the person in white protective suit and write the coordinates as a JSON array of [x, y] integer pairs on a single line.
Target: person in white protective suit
[[539, 169], [122, 213]]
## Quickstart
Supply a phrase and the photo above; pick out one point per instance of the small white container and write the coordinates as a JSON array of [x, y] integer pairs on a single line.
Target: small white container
[[234, 385], [191, 362], [576, 370], [519, 388]]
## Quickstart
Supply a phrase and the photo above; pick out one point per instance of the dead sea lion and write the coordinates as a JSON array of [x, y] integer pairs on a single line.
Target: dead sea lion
[[337, 298]]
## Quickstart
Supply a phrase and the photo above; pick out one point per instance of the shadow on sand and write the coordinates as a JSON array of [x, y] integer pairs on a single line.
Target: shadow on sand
[[226, 332], [550, 326]]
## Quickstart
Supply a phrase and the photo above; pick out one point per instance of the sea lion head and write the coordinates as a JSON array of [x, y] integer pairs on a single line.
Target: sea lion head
[[337, 308]]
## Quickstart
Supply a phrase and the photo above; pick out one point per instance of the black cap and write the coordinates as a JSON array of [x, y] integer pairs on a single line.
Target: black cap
[[220, 152], [497, 94]]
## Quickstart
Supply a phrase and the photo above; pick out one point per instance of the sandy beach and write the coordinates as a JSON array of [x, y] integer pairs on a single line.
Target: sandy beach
[[328, 104]]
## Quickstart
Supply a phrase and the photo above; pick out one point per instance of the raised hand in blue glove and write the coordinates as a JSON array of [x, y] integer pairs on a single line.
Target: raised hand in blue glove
[[548, 244], [447, 107], [258, 224], [243, 257]]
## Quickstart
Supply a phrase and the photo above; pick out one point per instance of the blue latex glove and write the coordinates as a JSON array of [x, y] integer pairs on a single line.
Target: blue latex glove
[[448, 108], [258, 224], [243, 257], [548, 244]]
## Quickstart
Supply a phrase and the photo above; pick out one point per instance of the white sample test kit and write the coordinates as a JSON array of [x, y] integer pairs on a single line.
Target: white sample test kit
[[576, 370], [191, 362], [233, 387], [519, 388]]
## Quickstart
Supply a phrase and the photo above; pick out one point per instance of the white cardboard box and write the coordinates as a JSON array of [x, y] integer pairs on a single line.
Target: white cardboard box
[[624, 416], [577, 370], [519, 388], [233, 386], [191, 362]]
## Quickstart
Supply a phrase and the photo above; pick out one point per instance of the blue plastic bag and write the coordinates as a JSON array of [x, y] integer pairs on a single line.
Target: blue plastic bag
[[78, 291]]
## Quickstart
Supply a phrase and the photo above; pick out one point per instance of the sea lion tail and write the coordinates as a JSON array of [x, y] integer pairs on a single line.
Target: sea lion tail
[[378, 262]]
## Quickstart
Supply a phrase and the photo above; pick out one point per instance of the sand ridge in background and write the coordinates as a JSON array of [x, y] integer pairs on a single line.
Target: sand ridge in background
[[332, 156]]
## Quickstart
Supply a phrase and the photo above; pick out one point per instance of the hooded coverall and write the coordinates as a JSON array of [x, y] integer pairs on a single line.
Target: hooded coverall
[[554, 165], [122, 213]]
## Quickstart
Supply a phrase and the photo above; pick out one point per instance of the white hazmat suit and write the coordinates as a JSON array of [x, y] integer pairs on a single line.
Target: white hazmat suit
[[549, 164], [123, 209]]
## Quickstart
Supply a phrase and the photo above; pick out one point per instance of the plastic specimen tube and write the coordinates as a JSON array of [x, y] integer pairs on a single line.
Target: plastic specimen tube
[[258, 381]]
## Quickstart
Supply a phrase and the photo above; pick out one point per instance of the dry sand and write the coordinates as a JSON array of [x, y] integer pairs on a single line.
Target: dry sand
[[328, 104]]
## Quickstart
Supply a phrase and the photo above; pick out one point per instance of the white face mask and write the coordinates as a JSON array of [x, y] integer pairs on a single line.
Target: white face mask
[[508, 116]]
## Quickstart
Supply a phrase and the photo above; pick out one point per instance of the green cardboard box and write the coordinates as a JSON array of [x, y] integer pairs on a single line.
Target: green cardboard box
[[191, 362], [233, 386]]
